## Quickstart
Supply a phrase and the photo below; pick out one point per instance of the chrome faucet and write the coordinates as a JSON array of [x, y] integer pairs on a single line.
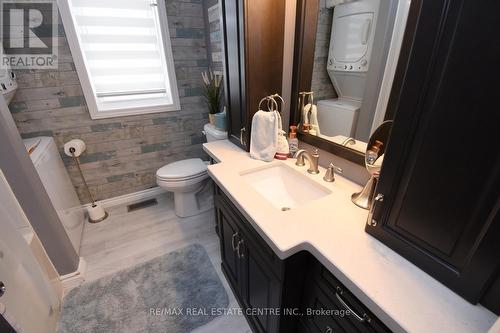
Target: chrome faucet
[[312, 158]]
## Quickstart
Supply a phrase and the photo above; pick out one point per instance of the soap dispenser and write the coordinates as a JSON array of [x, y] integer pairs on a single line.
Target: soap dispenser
[[293, 142], [372, 153]]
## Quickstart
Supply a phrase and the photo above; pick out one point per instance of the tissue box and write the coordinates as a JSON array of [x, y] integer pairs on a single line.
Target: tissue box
[[220, 121]]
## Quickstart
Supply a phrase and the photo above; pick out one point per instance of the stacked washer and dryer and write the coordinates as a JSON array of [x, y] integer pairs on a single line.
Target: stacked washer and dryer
[[351, 42]]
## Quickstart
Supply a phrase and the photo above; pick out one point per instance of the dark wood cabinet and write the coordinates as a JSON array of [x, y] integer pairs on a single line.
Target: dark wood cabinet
[[5, 326], [273, 293], [251, 267], [261, 288], [233, 30], [253, 42], [230, 235], [440, 179]]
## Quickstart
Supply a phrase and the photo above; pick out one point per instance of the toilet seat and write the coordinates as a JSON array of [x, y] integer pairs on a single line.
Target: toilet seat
[[189, 169], [183, 181]]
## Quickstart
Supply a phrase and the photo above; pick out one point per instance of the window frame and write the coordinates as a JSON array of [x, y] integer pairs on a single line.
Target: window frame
[[85, 79]]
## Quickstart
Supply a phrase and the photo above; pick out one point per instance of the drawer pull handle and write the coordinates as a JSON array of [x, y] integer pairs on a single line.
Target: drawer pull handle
[[363, 318], [328, 330], [232, 241], [242, 140]]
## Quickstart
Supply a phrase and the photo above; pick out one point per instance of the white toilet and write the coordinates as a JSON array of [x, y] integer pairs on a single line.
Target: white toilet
[[187, 178], [340, 115]]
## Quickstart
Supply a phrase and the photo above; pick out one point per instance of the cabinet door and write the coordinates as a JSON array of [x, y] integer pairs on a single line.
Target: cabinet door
[[229, 237], [441, 172], [264, 44], [253, 42], [261, 289], [233, 29]]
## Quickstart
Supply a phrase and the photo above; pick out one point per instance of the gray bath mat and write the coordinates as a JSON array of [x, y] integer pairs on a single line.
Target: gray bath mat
[[174, 293]]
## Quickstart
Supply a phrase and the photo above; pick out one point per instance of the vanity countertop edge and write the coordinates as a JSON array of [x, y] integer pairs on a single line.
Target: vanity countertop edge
[[403, 296]]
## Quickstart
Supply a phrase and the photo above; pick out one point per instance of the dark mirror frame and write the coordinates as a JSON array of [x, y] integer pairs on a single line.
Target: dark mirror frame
[[303, 61]]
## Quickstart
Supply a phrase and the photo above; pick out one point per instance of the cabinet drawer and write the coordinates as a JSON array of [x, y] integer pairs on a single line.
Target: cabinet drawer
[[344, 299], [323, 315]]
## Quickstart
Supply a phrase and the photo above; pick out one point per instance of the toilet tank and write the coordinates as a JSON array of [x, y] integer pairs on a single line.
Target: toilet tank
[[337, 117], [213, 134], [51, 170]]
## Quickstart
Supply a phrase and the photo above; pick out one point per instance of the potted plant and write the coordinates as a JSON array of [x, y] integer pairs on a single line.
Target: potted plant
[[212, 92]]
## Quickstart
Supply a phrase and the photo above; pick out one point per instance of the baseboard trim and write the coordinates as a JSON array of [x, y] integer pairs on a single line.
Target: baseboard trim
[[74, 279], [129, 198]]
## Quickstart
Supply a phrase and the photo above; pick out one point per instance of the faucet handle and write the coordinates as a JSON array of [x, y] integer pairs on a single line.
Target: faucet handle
[[337, 169], [330, 173], [315, 153]]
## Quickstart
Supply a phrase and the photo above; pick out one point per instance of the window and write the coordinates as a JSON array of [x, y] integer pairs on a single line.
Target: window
[[121, 50]]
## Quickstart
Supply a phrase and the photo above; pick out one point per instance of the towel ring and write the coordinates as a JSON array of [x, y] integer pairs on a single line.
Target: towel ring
[[310, 97], [269, 107], [281, 99]]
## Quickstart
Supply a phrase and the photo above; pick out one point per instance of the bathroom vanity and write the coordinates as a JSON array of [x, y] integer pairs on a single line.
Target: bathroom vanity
[[316, 254], [299, 287]]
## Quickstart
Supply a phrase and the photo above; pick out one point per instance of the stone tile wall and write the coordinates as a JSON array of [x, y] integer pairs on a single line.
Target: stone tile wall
[[123, 153], [321, 83], [216, 55]]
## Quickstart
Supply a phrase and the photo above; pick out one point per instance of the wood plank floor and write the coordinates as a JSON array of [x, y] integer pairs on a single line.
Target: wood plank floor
[[125, 240]]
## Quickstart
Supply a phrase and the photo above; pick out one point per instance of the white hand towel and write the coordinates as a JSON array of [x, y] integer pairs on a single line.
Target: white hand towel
[[264, 138], [313, 120], [305, 114], [310, 117]]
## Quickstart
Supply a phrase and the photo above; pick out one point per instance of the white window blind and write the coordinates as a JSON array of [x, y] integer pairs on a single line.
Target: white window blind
[[123, 51]]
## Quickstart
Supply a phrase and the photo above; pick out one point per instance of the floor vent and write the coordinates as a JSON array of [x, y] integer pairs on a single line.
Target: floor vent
[[141, 205]]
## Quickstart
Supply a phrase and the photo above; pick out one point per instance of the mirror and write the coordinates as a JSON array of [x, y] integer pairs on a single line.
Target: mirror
[[374, 157], [346, 56]]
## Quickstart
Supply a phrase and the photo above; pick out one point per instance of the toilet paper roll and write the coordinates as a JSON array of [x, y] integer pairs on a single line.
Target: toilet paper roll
[[77, 144], [96, 213]]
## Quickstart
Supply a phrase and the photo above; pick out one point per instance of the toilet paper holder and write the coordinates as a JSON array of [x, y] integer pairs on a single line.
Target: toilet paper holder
[[96, 212]]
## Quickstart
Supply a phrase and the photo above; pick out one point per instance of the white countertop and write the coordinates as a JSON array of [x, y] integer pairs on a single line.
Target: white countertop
[[331, 228]]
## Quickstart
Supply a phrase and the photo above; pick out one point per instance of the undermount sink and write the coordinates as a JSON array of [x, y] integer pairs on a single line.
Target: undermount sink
[[284, 187]]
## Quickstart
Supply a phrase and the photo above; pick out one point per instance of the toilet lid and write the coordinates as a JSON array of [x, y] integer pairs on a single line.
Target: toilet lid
[[183, 169]]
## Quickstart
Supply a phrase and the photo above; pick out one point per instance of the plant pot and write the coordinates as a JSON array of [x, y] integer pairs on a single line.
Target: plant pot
[[211, 118]]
